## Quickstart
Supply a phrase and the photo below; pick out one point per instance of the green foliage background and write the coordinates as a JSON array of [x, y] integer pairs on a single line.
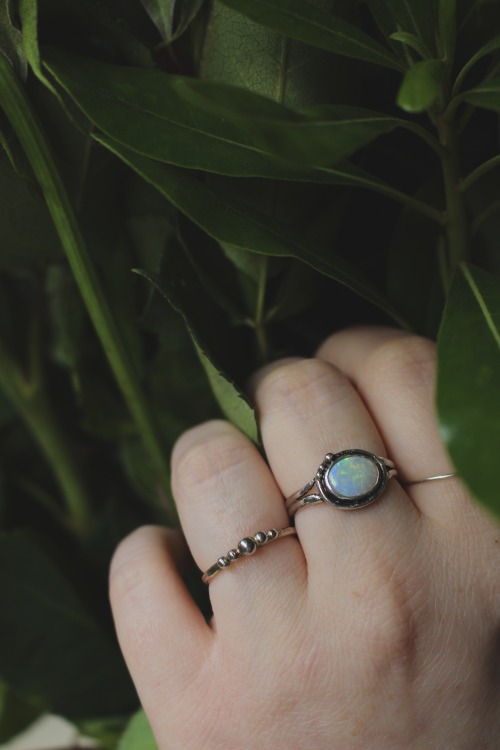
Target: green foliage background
[[187, 190]]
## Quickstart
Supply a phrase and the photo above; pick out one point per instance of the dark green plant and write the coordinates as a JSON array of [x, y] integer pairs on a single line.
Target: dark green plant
[[190, 189]]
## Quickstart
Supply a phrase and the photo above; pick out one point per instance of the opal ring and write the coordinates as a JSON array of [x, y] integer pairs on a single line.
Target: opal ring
[[246, 547], [348, 480]]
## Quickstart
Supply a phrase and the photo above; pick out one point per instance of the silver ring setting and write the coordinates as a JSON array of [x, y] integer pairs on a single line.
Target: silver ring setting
[[348, 480], [246, 547]]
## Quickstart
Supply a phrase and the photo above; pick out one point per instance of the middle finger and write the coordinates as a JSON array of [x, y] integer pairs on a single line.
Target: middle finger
[[308, 408]]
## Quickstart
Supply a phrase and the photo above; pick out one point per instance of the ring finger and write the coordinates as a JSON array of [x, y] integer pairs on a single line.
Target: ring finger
[[224, 493]]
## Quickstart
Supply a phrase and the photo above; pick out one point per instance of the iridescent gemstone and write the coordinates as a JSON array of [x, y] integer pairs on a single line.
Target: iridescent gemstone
[[353, 476]]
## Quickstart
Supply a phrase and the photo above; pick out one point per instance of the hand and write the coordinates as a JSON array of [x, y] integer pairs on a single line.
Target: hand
[[375, 629]]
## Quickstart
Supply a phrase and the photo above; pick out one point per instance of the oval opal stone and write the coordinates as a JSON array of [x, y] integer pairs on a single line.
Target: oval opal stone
[[353, 476]]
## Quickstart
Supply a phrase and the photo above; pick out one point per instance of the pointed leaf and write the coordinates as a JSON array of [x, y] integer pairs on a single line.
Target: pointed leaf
[[468, 388], [28, 13], [182, 290], [486, 95], [161, 13], [301, 20], [413, 41], [228, 221], [421, 86], [209, 126], [414, 16]]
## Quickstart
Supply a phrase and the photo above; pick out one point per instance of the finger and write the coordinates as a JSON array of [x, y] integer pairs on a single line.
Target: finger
[[308, 408], [162, 633], [225, 492], [395, 374]]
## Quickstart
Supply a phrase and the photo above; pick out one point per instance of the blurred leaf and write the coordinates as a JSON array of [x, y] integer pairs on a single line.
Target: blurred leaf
[[486, 95], [11, 41], [448, 29], [468, 386], [138, 734], [223, 218], [28, 235], [413, 41], [171, 17], [302, 20], [204, 125], [57, 652], [182, 290], [414, 16], [421, 86], [16, 714], [107, 732], [161, 13]]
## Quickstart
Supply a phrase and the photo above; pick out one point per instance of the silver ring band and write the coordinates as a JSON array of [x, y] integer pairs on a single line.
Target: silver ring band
[[429, 479], [347, 480], [246, 547]]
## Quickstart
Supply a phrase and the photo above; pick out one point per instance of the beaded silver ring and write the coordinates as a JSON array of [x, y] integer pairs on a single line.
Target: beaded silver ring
[[246, 547]]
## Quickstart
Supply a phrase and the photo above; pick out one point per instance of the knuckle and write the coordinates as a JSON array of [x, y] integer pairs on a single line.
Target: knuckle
[[208, 463], [408, 360], [126, 574], [296, 382]]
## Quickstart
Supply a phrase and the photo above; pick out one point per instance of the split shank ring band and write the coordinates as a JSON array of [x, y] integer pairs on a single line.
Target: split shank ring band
[[246, 547], [347, 480]]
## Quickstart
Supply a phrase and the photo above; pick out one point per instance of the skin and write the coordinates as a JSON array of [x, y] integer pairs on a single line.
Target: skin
[[376, 629]]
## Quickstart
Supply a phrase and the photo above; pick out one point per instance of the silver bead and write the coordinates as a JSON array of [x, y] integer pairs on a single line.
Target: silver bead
[[272, 534], [329, 457], [247, 546], [260, 537], [233, 555], [223, 562]]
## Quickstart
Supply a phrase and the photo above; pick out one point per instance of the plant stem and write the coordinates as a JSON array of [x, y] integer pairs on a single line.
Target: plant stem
[[31, 402], [18, 109], [457, 230]]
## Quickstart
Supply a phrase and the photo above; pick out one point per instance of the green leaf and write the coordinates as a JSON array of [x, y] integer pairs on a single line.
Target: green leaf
[[447, 13], [421, 86], [486, 95], [138, 734], [222, 217], [413, 41], [203, 125], [468, 386], [11, 41], [493, 45], [35, 144], [182, 290], [161, 13], [16, 714], [28, 13], [414, 16], [302, 20], [56, 652], [243, 53]]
